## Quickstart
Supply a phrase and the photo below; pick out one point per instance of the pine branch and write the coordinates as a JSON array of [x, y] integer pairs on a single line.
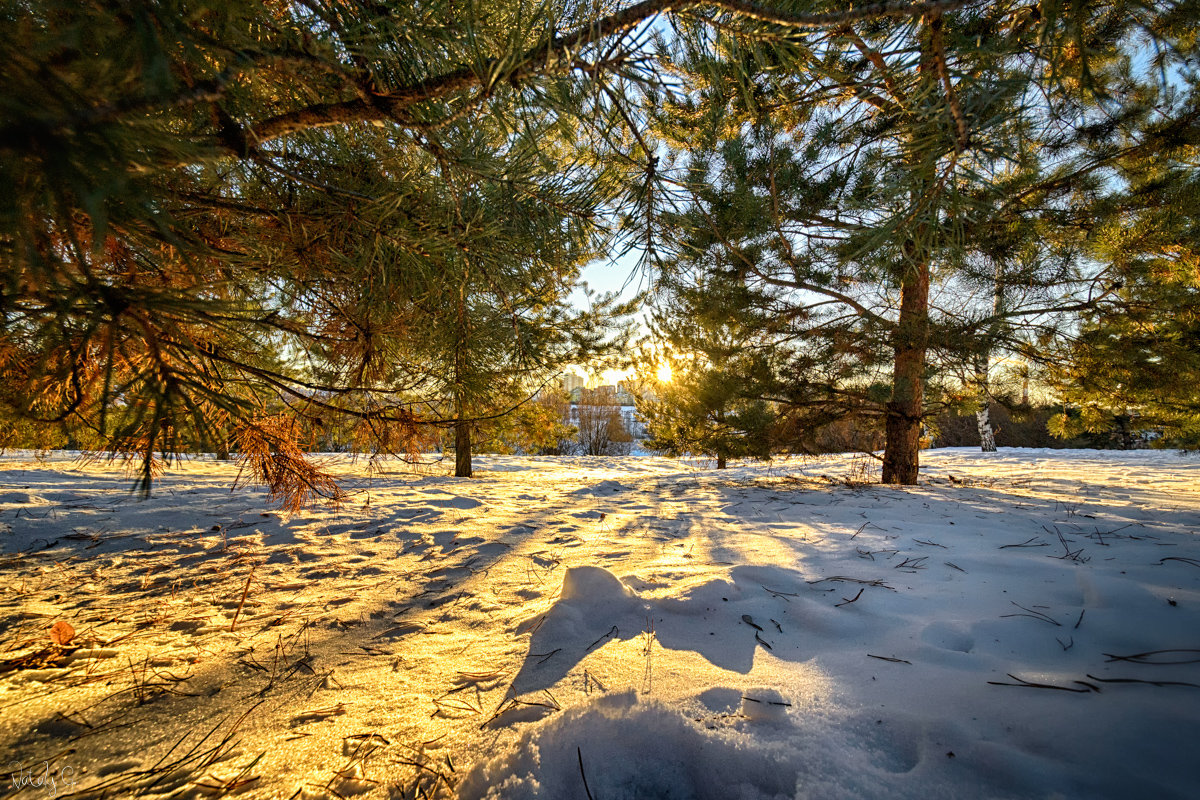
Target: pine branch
[[553, 55]]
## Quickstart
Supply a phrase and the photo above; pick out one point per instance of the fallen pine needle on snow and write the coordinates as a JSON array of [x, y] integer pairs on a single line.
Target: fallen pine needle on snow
[[1035, 685], [1148, 657], [890, 658]]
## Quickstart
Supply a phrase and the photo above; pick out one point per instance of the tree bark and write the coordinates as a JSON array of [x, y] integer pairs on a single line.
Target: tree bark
[[983, 418], [462, 448], [905, 410], [987, 437], [902, 426], [462, 426], [1124, 433], [721, 423]]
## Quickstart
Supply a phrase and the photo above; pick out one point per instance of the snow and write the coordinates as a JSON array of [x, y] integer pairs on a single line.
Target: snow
[[654, 627]]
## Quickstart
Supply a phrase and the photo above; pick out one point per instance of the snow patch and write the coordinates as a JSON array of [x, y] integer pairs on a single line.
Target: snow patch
[[764, 705], [634, 751], [595, 586]]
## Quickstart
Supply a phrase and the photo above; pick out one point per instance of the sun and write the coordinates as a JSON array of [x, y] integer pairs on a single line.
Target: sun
[[664, 372]]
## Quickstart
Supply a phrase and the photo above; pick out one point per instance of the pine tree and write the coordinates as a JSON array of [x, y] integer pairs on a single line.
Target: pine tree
[[1133, 365], [707, 405], [198, 241], [882, 179], [184, 261]]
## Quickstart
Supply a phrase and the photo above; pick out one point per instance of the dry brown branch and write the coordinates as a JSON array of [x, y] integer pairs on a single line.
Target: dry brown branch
[[270, 456], [242, 602], [847, 601]]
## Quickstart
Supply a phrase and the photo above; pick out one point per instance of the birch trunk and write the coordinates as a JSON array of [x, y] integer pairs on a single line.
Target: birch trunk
[[983, 417]]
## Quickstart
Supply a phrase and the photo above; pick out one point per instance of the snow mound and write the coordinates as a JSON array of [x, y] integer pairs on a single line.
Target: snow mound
[[646, 750], [595, 586], [634, 751], [764, 705]]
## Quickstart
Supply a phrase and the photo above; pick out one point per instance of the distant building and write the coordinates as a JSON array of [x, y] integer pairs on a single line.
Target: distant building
[[623, 402], [571, 382], [633, 423]]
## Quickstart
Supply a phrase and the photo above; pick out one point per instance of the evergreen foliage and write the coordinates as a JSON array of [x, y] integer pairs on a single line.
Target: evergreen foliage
[[223, 212], [1129, 371], [901, 197], [1133, 365], [261, 222], [706, 408]]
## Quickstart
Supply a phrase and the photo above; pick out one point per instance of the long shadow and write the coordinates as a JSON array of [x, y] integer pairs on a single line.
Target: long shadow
[[194, 533], [761, 605], [725, 621], [392, 569]]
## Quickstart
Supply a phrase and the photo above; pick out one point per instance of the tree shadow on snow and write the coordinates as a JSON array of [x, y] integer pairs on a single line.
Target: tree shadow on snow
[[725, 621]]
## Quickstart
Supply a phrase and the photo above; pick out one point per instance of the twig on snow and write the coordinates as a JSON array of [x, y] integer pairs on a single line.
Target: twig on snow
[[242, 602], [1026, 543], [1032, 613], [846, 602], [1033, 685], [1193, 561], [1145, 658], [586, 790], [844, 579], [1150, 683], [889, 658], [611, 632]]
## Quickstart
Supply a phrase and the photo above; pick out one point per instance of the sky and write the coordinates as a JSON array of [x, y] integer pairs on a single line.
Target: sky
[[621, 275]]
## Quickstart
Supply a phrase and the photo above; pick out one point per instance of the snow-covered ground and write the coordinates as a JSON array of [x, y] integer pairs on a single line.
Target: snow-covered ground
[[1022, 624]]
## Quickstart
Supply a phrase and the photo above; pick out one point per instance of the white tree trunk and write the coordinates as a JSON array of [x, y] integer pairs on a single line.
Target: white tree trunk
[[983, 416], [983, 419]]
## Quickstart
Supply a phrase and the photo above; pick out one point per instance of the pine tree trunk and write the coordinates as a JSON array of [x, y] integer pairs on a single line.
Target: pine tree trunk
[[222, 453], [1125, 435], [902, 427], [462, 449], [721, 423], [905, 410], [462, 427]]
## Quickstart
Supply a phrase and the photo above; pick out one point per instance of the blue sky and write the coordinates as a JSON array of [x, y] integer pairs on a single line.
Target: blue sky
[[621, 275]]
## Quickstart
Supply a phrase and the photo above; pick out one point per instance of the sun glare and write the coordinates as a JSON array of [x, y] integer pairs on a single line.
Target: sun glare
[[664, 372]]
